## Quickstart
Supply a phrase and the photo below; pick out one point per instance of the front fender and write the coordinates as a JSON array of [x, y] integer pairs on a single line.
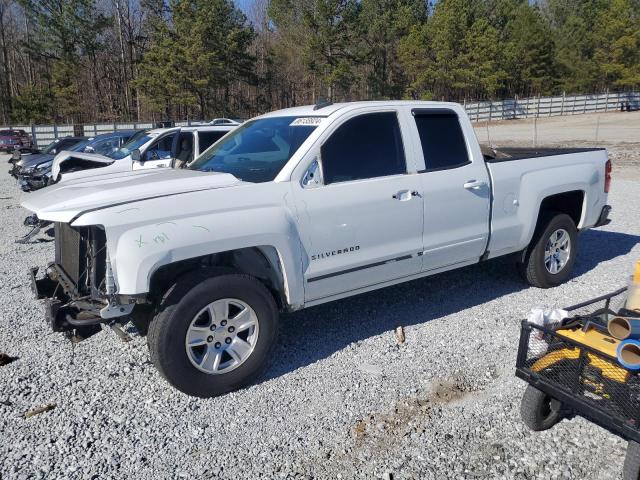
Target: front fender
[[139, 247]]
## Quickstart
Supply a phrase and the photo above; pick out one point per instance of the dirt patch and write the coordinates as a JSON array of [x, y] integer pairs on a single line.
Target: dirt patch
[[408, 416]]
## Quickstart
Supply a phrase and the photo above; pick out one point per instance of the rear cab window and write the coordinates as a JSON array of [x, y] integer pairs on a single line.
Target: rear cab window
[[442, 140], [366, 146]]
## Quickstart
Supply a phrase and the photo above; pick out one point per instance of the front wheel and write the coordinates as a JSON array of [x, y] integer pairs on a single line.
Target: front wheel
[[214, 335], [552, 253]]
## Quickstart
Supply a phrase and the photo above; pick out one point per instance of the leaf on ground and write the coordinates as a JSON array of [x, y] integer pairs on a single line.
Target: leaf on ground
[[39, 410]]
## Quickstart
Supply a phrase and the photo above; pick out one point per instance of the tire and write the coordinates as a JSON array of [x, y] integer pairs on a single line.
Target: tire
[[631, 468], [534, 269], [538, 410], [187, 308]]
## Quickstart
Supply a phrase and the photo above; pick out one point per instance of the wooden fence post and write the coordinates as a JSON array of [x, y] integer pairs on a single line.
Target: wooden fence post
[[34, 140]]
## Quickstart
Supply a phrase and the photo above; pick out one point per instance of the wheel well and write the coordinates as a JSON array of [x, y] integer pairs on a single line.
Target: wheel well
[[567, 202], [261, 263]]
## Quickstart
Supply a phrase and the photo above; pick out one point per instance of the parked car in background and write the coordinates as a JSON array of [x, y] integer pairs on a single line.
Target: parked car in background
[[15, 139], [157, 148], [297, 208], [225, 121], [47, 153], [36, 169]]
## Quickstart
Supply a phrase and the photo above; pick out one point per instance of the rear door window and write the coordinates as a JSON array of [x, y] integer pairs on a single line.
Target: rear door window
[[443, 143], [206, 139], [366, 146]]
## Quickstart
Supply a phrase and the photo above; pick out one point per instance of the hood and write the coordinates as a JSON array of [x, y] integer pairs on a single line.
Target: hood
[[89, 158], [65, 201], [28, 161]]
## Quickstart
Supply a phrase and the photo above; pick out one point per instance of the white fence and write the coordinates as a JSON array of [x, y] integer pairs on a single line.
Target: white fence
[[478, 112], [551, 106]]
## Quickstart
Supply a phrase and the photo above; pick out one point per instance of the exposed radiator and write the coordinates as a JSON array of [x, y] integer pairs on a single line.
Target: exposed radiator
[[68, 251]]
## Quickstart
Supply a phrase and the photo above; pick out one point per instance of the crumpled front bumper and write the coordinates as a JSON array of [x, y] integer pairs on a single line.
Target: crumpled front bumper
[[15, 170], [62, 314], [68, 311], [32, 181]]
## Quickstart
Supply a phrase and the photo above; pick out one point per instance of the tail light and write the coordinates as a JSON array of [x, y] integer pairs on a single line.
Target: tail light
[[607, 176]]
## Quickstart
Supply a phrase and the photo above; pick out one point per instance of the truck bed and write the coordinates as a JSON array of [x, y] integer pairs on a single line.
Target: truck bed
[[494, 155]]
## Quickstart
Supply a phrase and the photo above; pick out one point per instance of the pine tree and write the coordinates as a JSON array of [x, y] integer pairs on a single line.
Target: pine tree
[[383, 24], [69, 38], [194, 60], [617, 37], [330, 51], [530, 53]]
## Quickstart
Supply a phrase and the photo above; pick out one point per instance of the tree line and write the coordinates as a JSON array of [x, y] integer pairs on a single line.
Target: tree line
[[125, 60]]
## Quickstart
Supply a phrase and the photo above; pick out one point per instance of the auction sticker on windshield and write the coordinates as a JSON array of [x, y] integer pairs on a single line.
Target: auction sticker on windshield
[[306, 122]]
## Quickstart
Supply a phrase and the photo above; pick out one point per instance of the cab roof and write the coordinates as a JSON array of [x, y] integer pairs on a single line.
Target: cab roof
[[325, 110]]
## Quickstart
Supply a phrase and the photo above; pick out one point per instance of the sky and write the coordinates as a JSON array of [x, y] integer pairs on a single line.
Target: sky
[[245, 5]]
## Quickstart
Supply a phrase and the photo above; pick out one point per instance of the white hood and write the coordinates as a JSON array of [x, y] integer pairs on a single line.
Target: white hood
[[66, 155], [63, 202]]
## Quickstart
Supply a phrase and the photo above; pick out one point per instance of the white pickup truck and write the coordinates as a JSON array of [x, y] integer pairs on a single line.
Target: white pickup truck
[[296, 208], [160, 147]]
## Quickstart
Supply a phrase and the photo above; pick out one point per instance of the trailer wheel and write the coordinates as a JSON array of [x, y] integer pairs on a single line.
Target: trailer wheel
[[551, 255], [538, 410], [631, 468]]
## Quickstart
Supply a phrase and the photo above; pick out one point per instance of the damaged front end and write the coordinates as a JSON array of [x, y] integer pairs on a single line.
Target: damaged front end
[[34, 178], [78, 288]]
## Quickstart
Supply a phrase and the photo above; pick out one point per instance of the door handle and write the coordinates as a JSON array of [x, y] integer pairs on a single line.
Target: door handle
[[403, 195], [474, 184]]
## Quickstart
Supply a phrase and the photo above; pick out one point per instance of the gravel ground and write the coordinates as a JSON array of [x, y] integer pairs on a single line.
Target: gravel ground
[[341, 400]]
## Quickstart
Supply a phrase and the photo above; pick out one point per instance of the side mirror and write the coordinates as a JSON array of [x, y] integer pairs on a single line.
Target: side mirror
[[89, 149], [53, 151], [136, 156], [312, 178]]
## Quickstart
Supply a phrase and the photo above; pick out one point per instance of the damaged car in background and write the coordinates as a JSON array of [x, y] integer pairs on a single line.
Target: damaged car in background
[[156, 148], [35, 170], [37, 157]]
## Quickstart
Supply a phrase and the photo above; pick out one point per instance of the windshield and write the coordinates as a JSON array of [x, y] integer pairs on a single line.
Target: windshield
[[50, 147], [134, 142], [79, 147], [257, 151]]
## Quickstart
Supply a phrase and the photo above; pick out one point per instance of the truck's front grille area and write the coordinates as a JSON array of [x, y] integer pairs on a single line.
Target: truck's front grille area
[[81, 254]]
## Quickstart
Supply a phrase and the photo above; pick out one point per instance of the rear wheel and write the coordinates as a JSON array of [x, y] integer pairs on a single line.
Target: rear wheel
[[552, 253], [538, 410], [214, 335]]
